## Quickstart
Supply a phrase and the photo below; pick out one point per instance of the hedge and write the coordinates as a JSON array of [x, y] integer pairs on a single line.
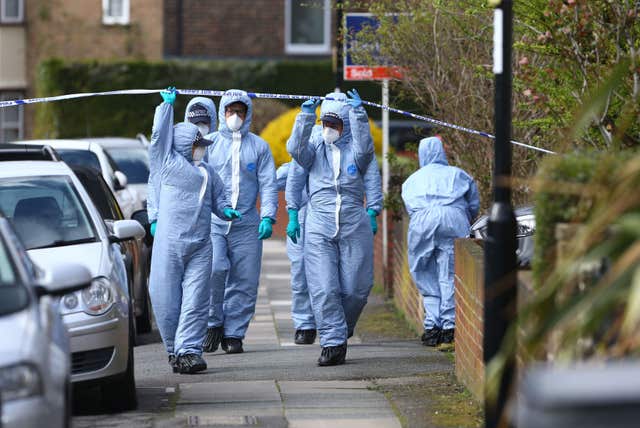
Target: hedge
[[128, 115], [567, 188]]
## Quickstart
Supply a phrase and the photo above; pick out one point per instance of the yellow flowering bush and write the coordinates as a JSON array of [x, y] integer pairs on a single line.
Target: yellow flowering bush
[[277, 132]]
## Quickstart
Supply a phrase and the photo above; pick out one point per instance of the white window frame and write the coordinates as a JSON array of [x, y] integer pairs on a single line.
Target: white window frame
[[308, 48], [10, 19], [116, 20], [19, 125]]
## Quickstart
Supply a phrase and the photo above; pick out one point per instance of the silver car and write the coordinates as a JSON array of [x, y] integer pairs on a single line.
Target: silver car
[[35, 367], [56, 220]]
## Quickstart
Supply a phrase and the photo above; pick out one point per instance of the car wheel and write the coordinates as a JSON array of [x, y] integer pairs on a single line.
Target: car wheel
[[143, 322], [120, 396], [68, 404]]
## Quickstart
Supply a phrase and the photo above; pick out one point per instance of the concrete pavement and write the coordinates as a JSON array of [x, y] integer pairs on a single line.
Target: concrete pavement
[[274, 383]]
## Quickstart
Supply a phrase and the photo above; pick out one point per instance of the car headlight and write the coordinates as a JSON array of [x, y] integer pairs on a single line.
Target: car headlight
[[20, 381], [98, 298], [526, 226]]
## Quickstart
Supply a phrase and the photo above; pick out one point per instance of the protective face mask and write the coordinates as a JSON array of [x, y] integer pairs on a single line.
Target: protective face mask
[[330, 135], [234, 123], [198, 154], [204, 129]]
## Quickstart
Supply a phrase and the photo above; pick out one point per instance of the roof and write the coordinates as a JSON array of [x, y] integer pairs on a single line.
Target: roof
[[33, 169], [10, 152]]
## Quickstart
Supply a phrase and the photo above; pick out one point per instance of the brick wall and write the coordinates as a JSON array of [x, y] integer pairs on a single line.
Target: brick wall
[[73, 29], [469, 289], [226, 28]]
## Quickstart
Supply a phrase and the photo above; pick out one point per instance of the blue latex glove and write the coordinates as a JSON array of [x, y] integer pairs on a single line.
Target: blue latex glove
[[372, 218], [153, 227], [293, 228], [169, 95], [354, 98], [310, 105], [231, 214], [265, 230]]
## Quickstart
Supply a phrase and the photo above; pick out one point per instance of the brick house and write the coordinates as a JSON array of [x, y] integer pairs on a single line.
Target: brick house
[[34, 30]]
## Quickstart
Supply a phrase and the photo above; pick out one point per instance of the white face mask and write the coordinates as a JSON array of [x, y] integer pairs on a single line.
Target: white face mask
[[234, 123], [198, 154], [330, 135], [204, 128]]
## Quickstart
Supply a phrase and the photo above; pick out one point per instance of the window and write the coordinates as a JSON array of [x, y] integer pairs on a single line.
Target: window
[[115, 12], [307, 26], [11, 11], [11, 118]]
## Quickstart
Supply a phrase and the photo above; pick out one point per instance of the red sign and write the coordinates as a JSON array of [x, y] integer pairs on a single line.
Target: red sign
[[363, 72]]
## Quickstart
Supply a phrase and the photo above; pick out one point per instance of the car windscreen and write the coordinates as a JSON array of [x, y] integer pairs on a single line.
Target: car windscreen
[[133, 162], [13, 294], [77, 157], [45, 211]]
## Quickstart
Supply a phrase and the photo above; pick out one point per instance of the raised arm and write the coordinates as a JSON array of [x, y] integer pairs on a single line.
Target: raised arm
[[161, 140], [298, 143], [361, 134]]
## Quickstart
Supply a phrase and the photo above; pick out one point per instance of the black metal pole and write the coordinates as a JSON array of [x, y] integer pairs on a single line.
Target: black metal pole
[[339, 43], [500, 246]]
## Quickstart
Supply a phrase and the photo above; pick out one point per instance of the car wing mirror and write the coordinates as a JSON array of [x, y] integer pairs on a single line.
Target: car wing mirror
[[120, 180], [124, 230], [62, 279]]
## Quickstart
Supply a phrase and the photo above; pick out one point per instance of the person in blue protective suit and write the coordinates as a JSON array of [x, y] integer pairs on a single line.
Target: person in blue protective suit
[[244, 162], [338, 240], [442, 201], [187, 191], [297, 197], [201, 112]]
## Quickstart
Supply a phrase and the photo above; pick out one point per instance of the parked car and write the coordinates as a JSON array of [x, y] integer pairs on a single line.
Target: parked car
[[35, 366], [402, 132], [131, 157], [84, 153], [526, 227], [56, 220], [136, 252]]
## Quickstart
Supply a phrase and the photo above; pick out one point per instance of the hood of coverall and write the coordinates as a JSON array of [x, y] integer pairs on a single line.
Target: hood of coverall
[[208, 104], [338, 104], [184, 135], [431, 151], [231, 96]]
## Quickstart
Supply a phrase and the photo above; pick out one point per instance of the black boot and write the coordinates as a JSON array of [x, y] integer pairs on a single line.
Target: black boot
[[232, 345], [213, 339], [431, 337], [305, 337], [173, 362], [333, 355], [191, 363], [447, 335]]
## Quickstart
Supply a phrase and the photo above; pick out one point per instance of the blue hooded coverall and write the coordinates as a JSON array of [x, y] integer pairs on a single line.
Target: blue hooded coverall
[[181, 263], [152, 207], [297, 197], [442, 201], [245, 164], [338, 241]]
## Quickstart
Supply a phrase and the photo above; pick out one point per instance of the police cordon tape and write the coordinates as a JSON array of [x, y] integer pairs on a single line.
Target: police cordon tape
[[213, 93]]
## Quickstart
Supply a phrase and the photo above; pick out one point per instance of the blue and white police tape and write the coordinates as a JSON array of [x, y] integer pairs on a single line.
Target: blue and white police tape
[[213, 93]]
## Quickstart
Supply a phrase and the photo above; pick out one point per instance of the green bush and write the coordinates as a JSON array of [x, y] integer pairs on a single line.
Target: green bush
[[567, 189], [127, 115]]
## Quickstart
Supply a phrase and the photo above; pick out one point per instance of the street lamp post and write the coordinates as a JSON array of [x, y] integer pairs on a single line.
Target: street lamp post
[[500, 246], [339, 43]]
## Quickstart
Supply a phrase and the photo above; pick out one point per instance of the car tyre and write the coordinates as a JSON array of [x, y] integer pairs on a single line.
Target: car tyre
[[143, 322], [120, 395]]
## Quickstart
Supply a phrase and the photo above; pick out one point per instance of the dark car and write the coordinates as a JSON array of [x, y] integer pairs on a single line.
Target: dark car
[[403, 132], [526, 227], [20, 152], [136, 252]]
